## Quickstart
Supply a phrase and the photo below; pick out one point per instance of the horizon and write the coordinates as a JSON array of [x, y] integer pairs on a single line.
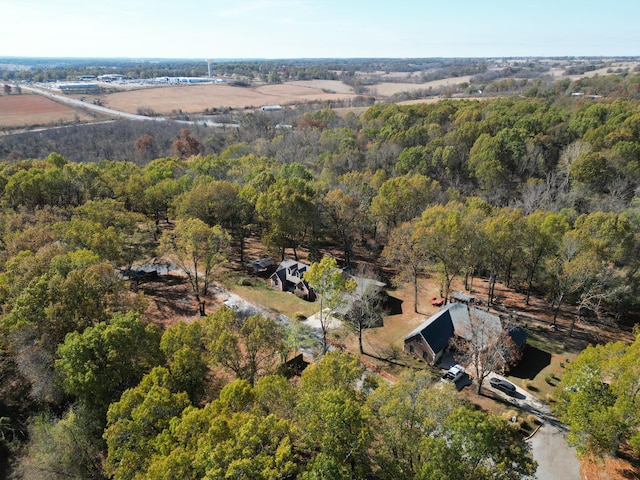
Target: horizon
[[312, 29]]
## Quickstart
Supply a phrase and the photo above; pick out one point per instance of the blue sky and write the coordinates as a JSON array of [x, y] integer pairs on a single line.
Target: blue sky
[[318, 28]]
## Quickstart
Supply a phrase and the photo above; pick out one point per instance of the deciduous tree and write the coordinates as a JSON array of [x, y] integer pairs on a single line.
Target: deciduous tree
[[199, 251], [329, 284]]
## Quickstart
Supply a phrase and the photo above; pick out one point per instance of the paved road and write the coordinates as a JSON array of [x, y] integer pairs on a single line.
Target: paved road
[[556, 459], [117, 113]]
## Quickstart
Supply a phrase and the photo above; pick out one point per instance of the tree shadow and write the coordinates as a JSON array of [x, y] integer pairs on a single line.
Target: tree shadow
[[532, 363]]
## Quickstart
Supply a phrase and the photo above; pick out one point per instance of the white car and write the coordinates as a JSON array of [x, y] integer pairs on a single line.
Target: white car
[[453, 374]]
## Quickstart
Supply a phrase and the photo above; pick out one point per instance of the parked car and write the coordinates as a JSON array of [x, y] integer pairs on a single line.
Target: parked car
[[503, 385], [453, 374]]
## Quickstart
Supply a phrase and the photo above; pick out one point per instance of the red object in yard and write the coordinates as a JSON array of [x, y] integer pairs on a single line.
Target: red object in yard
[[437, 302]]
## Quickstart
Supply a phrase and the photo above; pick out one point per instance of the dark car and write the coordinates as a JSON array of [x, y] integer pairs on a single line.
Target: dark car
[[506, 387]]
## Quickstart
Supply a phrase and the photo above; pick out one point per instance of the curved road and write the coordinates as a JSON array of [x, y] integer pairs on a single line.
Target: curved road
[[556, 459], [117, 113]]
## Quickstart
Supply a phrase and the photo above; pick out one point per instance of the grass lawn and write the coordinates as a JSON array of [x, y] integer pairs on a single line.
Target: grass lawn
[[542, 366], [261, 294]]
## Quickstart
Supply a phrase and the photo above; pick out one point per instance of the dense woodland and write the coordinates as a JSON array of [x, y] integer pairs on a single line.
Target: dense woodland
[[539, 192]]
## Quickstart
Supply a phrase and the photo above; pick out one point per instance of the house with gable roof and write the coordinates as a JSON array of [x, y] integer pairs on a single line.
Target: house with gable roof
[[430, 339], [288, 277]]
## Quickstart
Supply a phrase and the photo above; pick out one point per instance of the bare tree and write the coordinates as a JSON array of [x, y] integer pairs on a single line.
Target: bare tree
[[367, 308], [485, 345]]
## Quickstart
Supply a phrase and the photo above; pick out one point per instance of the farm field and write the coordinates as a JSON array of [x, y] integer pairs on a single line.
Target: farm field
[[195, 98], [28, 109]]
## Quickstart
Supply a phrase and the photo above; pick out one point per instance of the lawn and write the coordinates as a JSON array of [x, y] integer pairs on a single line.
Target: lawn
[[542, 366], [261, 294]]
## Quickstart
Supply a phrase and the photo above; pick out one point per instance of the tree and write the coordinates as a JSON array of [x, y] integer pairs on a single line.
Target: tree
[[329, 285], [404, 252], [495, 450], [248, 347], [599, 395], [333, 419], [63, 448], [135, 421], [183, 346], [405, 414], [186, 145], [288, 210], [541, 239], [97, 365], [442, 237], [485, 345], [145, 147], [342, 210], [199, 251], [366, 309]]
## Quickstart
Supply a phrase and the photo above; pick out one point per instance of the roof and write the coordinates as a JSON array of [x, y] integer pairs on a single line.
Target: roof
[[292, 270], [455, 318], [261, 263], [437, 330], [488, 326], [362, 284], [462, 297]]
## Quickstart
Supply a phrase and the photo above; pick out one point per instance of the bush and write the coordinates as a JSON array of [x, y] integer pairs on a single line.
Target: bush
[[300, 317], [245, 282]]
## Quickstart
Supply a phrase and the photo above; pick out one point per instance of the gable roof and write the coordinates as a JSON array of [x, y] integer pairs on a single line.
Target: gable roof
[[291, 271], [455, 319], [437, 330]]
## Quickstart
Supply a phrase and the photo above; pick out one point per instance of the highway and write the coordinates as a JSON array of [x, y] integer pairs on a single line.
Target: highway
[[117, 113]]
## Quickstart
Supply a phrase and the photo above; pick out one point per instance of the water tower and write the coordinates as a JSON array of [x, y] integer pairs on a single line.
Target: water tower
[[209, 61]]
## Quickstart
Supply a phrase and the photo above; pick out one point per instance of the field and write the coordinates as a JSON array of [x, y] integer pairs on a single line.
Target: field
[[195, 98], [27, 109]]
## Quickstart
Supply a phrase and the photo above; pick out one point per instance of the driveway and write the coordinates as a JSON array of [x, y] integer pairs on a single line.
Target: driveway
[[556, 459]]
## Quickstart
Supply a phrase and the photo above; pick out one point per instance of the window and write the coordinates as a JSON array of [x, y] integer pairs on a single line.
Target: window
[[411, 348]]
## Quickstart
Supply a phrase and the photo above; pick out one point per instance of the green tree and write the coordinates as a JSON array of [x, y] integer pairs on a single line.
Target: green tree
[[287, 208], [183, 346], [441, 235], [199, 251], [248, 347], [135, 421], [333, 419], [405, 253], [97, 365], [599, 398], [63, 448], [329, 285], [405, 415]]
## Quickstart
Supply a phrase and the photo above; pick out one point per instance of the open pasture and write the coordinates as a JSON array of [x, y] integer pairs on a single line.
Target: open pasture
[[28, 109], [196, 98]]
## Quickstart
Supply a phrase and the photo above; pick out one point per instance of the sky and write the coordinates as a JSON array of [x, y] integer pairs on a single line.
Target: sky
[[279, 29]]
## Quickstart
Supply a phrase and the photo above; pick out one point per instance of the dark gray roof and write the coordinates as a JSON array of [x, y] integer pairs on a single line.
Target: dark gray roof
[[437, 330]]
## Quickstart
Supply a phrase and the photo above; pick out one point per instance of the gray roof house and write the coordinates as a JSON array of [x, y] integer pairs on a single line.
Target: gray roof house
[[430, 339], [288, 277]]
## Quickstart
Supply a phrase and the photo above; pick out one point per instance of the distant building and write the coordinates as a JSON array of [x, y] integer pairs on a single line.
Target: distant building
[[270, 108], [78, 87]]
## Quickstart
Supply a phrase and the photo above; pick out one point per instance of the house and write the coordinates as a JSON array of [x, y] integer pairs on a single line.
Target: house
[[430, 339], [288, 277], [362, 285]]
